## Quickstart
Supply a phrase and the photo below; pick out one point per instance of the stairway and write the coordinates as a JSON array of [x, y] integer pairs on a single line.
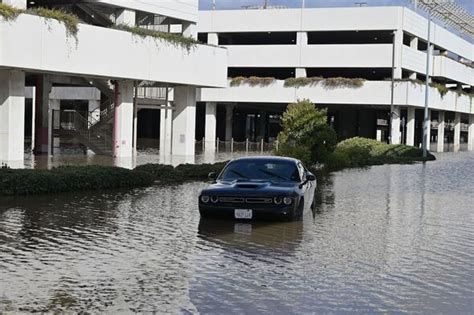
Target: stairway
[[95, 139]]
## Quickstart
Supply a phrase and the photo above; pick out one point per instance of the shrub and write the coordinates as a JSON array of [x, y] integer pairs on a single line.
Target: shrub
[[176, 40], [360, 152], [252, 81], [70, 21], [302, 81], [182, 173], [68, 179], [306, 134], [343, 82], [9, 13]]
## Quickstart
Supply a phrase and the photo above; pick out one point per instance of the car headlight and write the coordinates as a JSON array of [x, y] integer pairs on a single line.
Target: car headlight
[[287, 200], [277, 200], [205, 199], [214, 199]]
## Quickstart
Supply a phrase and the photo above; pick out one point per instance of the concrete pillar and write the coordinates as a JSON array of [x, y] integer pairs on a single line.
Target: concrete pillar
[[457, 131], [43, 115], [300, 73], [213, 39], [441, 126], [411, 124], [229, 115], [302, 38], [126, 17], [184, 121], [470, 134], [395, 136], [190, 30], [414, 42], [12, 117], [20, 4], [166, 125], [123, 120], [210, 132], [398, 42]]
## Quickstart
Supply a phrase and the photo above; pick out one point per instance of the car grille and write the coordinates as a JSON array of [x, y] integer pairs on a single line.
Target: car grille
[[248, 200]]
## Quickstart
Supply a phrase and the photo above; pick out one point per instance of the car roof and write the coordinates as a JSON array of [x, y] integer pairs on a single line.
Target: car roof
[[266, 158]]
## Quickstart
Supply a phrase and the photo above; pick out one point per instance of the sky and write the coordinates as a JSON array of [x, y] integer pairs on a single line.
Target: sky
[[235, 4]]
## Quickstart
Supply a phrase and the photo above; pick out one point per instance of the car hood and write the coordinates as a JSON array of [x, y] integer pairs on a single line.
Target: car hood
[[252, 188]]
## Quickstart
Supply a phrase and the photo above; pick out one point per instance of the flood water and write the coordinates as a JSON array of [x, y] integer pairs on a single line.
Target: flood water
[[394, 238]]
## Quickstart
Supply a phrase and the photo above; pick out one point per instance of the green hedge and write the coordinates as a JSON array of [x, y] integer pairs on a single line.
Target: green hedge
[[360, 152], [69, 179], [182, 173]]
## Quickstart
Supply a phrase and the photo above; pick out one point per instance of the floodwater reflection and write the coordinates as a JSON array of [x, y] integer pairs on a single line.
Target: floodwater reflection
[[393, 238]]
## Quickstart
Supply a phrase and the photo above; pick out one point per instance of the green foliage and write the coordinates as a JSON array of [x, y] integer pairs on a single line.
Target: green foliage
[[306, 134], [68, 179], [70, 21], [360, 152], [182, 173], [343, 82], [441, 88], [252, 81], [177, 40], [302, 81], [9, 13]]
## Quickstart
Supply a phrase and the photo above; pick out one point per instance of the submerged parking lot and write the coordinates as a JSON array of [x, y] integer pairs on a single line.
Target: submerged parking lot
[[395, 238]]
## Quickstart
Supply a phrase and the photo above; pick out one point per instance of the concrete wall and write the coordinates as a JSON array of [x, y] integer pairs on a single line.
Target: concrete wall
[[372, 93], [32, 43]]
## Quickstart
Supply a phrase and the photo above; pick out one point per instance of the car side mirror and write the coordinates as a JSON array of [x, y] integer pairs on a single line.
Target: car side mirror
[[310, 177], [213, 175]]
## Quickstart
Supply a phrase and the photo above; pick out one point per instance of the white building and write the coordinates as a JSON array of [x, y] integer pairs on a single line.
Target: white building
[[39, 58], [356, 42]]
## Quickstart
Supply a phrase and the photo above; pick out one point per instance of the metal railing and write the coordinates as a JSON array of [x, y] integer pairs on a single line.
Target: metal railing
[[232, 146]]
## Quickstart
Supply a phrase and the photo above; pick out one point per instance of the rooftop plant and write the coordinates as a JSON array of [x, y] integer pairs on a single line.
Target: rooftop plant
[[343, 82], [252, 81], [70, 21], [302, 81], [9, 13], [176, 40]]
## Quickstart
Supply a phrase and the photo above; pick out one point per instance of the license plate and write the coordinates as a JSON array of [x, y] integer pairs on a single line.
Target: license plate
[[243, 213]]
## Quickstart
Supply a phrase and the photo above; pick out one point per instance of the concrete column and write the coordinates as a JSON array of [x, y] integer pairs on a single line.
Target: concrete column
[[411, 126], [123, 120], [301, 38], [398, 42], [213, 39], [470, 136], [300, 73], [12, 117], [20, 4], [166, 125], [184, 121], [190, 30], [43, 113], [457, 131], [441, 126], [229, 116], [210, 132], [126, 17], [395, 136], [414, 42]]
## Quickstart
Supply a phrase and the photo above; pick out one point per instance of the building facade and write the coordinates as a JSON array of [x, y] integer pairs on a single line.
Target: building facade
[[108, 50], [342, 59]]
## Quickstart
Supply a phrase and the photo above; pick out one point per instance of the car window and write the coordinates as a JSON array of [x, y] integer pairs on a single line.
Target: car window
[[272, 170]]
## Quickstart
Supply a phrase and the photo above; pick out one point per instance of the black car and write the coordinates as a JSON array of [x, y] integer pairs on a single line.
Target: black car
[[259, 187]]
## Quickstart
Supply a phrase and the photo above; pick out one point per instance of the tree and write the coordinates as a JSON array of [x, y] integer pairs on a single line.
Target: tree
[[306, 134]]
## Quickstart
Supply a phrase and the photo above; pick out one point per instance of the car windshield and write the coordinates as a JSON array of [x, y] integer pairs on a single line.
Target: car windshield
[[261, 170]]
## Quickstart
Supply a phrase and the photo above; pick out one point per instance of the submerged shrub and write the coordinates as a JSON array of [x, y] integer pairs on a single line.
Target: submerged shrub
[[306, 134]]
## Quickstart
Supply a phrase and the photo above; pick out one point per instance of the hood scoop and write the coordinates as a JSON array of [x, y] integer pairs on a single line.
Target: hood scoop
[[248, 185]]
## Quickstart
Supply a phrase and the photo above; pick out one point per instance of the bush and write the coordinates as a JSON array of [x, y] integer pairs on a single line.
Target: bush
[[9, 13], [70, 21], [306, 134], [360, 152], [68, 179], [252, 81], [302, 81], [182, 173]]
